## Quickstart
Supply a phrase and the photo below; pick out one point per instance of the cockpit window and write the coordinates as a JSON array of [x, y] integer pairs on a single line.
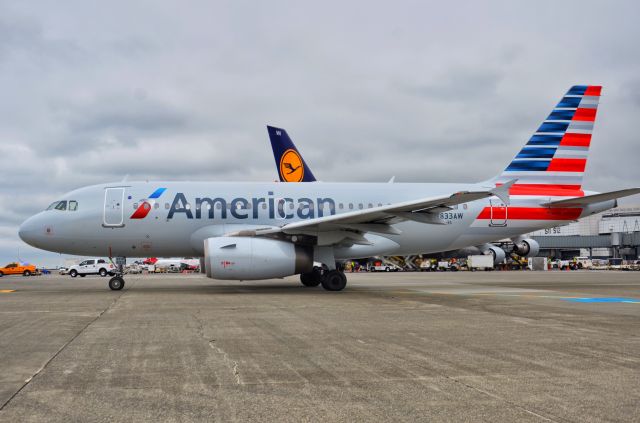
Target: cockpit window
[[55, 203], [73, 205], [62, 205]]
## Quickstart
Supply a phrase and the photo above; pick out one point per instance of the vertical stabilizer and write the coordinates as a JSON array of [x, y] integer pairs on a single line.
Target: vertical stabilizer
[[289, 162]]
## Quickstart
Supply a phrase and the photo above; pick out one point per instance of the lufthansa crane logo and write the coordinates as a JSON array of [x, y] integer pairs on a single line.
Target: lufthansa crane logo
[[291, 167]]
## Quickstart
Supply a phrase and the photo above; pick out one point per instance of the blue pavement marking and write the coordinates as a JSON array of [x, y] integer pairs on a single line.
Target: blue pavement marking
[[604, 300]]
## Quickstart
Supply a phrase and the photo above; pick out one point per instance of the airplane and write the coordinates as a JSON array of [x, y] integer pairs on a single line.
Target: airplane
[[252, 231]]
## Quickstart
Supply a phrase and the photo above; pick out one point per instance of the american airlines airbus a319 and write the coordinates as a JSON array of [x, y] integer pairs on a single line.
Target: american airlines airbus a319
[[248, 230]]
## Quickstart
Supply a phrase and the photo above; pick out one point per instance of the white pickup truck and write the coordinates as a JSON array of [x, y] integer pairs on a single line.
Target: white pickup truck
[[92, 267]]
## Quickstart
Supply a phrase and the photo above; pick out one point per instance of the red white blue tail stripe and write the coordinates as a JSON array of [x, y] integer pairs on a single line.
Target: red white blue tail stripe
[[554, 159]]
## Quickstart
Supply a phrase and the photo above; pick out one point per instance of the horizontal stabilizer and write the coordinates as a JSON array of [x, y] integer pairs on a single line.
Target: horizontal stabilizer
[[591, 199]]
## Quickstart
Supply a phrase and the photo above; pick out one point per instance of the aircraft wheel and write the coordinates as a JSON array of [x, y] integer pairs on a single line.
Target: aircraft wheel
[[73, 273], [312, 278], [334, 280], [116, 283]]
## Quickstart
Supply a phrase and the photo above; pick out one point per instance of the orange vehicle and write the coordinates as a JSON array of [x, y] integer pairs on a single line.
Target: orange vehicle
[[18, 269]]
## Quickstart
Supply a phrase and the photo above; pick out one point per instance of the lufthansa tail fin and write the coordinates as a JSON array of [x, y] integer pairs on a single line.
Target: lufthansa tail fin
[[553, 160], [289, 162]]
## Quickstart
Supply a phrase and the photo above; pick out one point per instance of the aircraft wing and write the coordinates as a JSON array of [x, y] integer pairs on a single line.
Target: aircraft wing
[[596, 198], [379, 219]]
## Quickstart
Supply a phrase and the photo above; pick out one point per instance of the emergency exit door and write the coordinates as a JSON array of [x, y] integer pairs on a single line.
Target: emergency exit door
[[113, 207], [499, 211]]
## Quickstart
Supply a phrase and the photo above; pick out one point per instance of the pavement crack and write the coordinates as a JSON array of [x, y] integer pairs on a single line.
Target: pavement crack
[[231, 364], [494, 396], [62, 348]]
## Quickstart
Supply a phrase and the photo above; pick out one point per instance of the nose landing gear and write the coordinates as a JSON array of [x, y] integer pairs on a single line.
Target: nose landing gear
[[116, 283]]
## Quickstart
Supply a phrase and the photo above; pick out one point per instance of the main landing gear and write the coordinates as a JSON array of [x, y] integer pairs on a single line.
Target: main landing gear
[[331, 280]]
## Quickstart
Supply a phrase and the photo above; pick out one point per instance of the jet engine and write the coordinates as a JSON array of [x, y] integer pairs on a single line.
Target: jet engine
[[497, 253], [247, 258], [526, 247]]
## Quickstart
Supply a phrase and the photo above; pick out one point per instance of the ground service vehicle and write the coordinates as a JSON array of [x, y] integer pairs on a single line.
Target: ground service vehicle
[[429, 265], [92, 267], [382, 267], [583, 262], [480, 262], [18, 269]]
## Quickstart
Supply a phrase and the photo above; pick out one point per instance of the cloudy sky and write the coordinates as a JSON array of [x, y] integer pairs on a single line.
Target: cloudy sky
[[425, 91]]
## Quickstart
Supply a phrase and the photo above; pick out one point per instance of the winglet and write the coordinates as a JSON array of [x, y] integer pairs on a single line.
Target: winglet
[[502, 191]]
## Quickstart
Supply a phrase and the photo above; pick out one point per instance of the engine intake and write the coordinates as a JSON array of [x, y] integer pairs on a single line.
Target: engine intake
[[250, 258], [498, 253], [526, 247]]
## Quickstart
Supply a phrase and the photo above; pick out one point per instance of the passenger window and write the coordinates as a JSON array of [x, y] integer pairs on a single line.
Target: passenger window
[[62, 205], [166, 206], [360, 206], [370, 205], [156, 205], [73, 205], [135, 206], [341, 206], [350, 205]]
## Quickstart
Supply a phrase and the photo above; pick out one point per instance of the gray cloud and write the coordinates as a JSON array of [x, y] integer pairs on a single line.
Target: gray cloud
[[424, 91]]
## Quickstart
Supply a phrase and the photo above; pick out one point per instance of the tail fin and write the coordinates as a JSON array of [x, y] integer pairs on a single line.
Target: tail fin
[[554, 159], [289, 162]]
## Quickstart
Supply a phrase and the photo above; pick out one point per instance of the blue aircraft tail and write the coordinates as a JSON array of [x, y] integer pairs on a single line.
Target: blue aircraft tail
[[289, 162]]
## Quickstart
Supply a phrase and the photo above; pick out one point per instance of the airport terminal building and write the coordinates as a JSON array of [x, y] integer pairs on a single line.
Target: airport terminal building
[[614, 233]]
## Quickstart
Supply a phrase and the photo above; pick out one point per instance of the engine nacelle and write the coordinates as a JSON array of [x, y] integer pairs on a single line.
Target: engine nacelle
[[526, 247], [247, 258], [497, 253]]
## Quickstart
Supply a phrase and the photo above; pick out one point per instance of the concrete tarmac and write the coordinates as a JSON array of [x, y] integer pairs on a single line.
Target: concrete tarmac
[[481, 346]]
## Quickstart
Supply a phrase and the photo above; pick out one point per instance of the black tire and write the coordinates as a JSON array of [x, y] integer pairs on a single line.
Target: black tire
[[26, 273], [116, 283], [334, 280], [580, 266], [1, 274], [103, 272], [386, 269], [311, 279], [73, 273]]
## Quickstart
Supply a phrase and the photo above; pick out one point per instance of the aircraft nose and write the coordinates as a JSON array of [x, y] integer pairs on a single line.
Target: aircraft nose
[[28, 231]]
